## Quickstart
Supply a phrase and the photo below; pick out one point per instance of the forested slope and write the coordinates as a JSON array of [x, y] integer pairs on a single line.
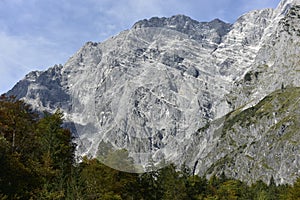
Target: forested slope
[[37, 162]]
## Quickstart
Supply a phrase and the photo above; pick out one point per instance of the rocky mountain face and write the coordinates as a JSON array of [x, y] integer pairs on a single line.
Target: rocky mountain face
[[218, 97]]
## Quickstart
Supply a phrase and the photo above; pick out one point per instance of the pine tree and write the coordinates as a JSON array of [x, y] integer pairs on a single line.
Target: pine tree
[[172, 183], [57, 153]]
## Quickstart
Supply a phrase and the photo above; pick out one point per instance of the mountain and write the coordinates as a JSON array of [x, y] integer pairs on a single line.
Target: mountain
[[215, 96]]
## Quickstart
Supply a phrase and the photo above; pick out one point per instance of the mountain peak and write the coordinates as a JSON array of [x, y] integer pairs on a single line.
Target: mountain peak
[[285, 5], [175, 20], [181, 16], [184, 24], [164, 22]]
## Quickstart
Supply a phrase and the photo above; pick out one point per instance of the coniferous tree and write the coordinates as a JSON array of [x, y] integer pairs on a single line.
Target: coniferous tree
[[18, 148], [172, 183], [57, 154]]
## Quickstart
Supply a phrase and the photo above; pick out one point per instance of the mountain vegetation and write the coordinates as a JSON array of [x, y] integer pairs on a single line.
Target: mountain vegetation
[[37, 159]]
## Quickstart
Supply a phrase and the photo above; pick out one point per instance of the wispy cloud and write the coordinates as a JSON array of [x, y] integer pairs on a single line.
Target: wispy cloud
[[20, 55]]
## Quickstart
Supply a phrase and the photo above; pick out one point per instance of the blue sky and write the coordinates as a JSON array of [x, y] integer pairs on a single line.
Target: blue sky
[[36, 34]]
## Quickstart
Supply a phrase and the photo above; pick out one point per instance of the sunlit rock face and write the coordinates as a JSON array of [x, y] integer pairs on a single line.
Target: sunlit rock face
[[211, 95]]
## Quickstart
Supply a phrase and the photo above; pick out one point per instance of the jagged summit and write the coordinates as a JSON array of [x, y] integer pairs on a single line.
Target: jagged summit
[[285, 5], [181, 91], [178, 20], [196, 30]]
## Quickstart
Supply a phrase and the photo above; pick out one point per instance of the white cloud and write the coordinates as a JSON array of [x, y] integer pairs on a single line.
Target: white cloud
[[125, 13], [258, 4], [22, 55]]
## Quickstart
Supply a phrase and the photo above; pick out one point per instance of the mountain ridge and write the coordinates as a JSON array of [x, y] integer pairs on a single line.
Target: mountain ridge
[[164, 89]]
